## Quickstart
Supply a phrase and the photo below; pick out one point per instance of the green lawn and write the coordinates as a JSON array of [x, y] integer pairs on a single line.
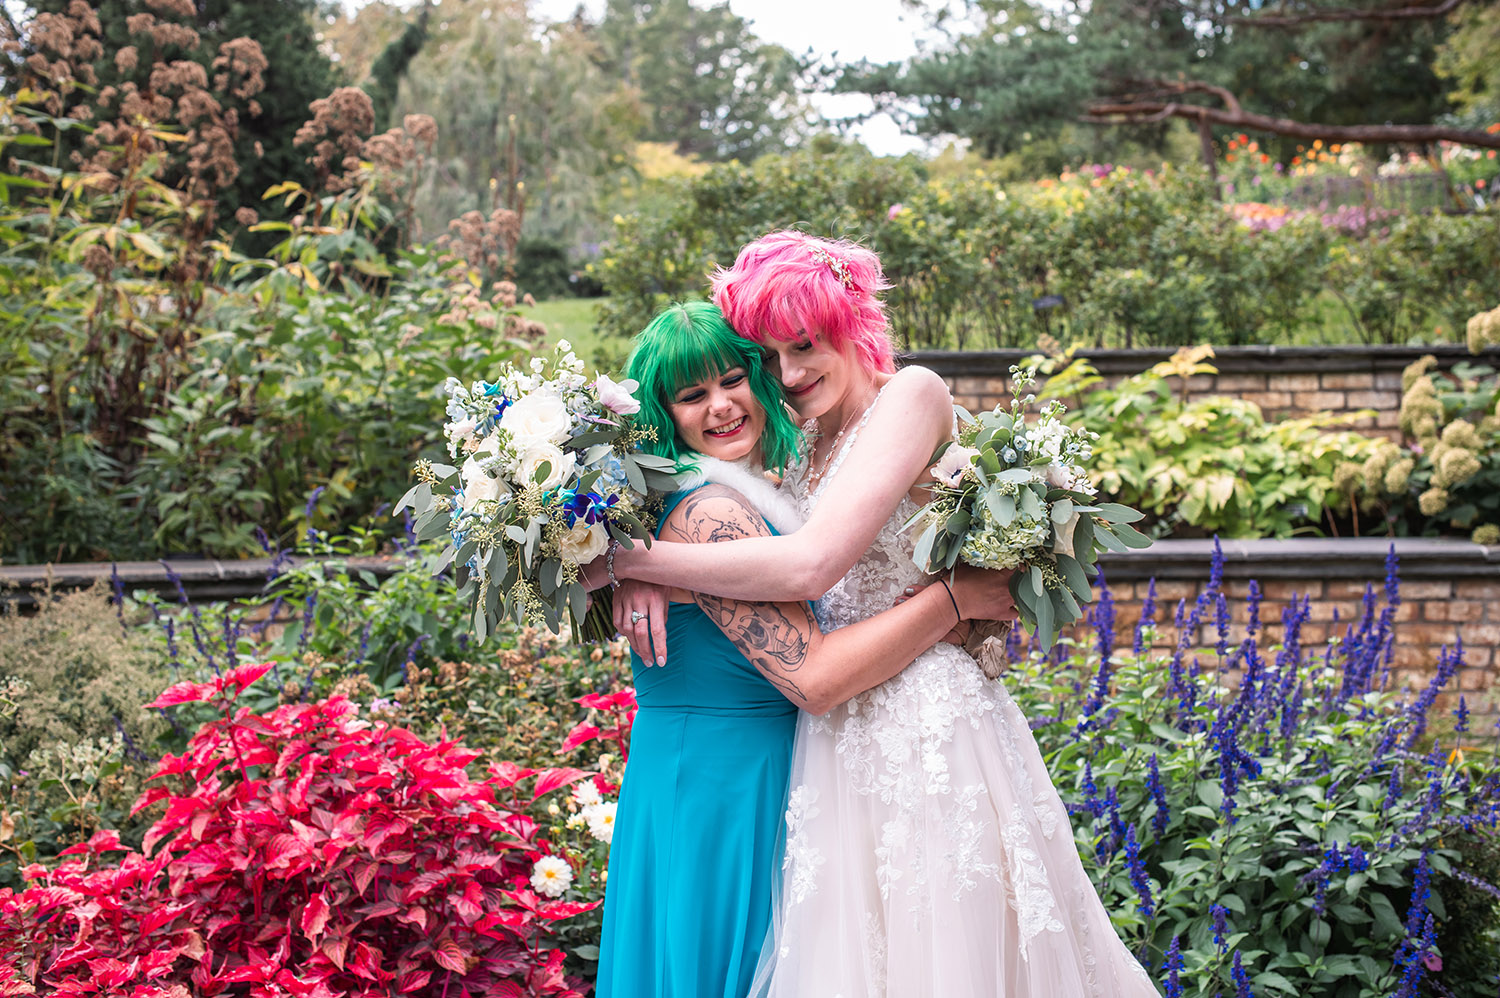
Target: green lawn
[[572, 319]]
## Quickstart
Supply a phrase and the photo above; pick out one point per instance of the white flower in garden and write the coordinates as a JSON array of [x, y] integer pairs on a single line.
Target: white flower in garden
[[564, 346], [551, 876], [577, 821], [581, 545], [601, 819], [586, 793], [539, 417], [541, 452], [616, 395], [951, 466]]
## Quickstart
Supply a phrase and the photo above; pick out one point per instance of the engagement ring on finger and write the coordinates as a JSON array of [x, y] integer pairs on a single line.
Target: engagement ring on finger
[[636, 616]]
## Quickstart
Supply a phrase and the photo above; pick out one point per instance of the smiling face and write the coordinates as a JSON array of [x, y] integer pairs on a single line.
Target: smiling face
[[719, 416], [815, 376]]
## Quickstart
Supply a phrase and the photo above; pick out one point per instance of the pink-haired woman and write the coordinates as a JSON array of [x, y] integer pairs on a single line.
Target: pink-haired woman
[[927, 852]]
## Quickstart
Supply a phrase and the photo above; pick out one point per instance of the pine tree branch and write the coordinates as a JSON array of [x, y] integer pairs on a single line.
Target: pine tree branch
[[1418, 13], [1137, 111]]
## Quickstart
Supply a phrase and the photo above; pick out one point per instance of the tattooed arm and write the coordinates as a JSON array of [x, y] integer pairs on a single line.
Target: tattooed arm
[[813, 670]]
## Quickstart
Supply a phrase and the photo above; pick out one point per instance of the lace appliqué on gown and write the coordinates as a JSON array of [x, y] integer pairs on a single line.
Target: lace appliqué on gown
[[921, 814]]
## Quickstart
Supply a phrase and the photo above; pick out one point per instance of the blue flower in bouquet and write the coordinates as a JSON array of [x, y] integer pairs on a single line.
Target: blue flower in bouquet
[[612, 472]]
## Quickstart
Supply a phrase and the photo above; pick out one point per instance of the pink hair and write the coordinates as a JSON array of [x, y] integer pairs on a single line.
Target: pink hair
[[788, 284]]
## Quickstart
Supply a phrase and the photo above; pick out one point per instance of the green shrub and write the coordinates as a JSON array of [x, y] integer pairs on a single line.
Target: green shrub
[[165, 394], [1209, 465], [1108, 257], [1444, 473], [73, 731]]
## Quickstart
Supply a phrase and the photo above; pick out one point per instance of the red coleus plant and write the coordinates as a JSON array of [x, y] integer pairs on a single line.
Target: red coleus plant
[[304, 852]]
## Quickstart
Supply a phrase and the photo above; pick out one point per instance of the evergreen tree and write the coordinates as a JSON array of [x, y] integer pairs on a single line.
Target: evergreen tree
[[391, 65]]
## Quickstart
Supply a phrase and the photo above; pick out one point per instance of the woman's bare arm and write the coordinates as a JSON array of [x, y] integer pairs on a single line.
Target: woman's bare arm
[[813, 670], [891, 453]]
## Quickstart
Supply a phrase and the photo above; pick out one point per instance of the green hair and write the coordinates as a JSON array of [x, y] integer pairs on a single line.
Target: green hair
[[691, 342]]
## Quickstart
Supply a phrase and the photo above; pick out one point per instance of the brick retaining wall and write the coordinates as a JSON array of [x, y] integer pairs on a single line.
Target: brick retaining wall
[[1448, 588], [1283, 381]]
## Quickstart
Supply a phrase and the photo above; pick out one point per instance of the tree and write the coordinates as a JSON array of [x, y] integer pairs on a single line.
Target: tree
[[1340, 70], [710, 86], [526, 118], [1470, 60]]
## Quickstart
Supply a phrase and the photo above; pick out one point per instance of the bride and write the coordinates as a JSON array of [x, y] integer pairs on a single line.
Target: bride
[[927, 852]]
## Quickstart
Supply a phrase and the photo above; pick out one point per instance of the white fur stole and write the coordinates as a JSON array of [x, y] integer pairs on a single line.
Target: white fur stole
[[747, 479]]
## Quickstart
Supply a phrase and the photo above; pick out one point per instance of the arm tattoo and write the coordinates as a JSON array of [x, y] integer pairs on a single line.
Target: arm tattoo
[[773, 637]]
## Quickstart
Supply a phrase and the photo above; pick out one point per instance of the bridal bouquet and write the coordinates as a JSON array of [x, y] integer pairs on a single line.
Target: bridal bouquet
[[1013, 494], [547, 475]]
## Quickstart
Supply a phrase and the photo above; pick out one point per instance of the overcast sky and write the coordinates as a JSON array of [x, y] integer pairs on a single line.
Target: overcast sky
[[878, 30]]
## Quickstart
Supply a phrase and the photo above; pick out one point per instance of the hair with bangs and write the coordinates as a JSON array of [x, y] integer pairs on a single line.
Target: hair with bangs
[[788, 284], [691, 342]]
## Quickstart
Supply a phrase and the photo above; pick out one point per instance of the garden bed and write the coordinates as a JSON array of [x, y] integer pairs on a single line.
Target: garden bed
[[1445, 584], [1283, 381]]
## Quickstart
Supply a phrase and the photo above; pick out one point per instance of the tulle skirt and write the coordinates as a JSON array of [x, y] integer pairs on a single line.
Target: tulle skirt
[[928, 854]]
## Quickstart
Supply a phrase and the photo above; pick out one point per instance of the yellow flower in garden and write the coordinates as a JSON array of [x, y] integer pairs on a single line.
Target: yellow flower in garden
[[1487, 534], [1433, 501]]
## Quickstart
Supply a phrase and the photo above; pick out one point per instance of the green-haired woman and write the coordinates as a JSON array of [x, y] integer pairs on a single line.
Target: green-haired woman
[[693, 859]]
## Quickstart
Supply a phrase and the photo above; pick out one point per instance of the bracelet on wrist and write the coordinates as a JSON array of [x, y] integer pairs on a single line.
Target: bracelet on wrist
[[609, 563], [949, 590]]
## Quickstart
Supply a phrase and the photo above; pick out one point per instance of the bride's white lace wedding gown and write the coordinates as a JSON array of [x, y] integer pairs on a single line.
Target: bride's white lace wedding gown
[[928, 854]]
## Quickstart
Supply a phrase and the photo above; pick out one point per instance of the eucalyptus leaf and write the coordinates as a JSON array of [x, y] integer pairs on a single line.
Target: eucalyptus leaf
[[1116, 513]]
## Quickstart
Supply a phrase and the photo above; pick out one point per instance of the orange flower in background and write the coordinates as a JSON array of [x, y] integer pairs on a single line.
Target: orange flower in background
[[1491, 154], [1232, 143], [1335, 147], [1479, 183], [1317, 143], [1492, 129], [1244, 137], [1253, 147], [1297, 160], [1265, 158], [1230, 157]]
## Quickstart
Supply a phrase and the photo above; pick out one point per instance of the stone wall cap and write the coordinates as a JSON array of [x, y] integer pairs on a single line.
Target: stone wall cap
[[1335, 558], [1228, 359]]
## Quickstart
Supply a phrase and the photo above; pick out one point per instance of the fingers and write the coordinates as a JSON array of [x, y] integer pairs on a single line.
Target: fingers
[[656, 616]]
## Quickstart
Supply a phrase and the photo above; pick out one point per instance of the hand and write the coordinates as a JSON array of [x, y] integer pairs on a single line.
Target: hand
[[960, 632], [982, 594], [648, 633]]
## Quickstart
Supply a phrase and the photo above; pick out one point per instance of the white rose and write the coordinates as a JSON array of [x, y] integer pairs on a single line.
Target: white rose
[[583, 544], [1064, 543], [536, 418], [478, 485], [534, 456], [950, 467], [1059, 476], [616, 396]]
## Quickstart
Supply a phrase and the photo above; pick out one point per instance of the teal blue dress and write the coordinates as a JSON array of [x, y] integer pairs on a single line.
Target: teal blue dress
[[698, 832]]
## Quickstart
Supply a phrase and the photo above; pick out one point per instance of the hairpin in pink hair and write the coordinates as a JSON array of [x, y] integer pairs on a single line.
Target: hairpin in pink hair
[[839, 267]]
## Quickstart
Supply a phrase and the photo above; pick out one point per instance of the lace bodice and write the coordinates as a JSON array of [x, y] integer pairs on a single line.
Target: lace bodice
[[882, 572]]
